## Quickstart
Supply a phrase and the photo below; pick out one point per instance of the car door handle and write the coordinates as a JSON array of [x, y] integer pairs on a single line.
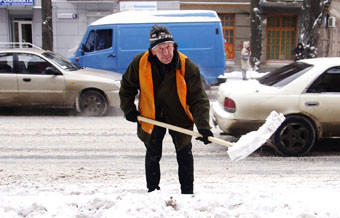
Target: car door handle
[[111, 56], [311, 103], [27, 79]]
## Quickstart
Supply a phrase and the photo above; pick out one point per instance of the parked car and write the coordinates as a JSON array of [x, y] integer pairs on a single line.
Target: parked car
[[307, 92], [35, 77]]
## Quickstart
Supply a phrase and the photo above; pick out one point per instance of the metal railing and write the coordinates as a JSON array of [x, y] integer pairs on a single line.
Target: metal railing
[[4, 45]]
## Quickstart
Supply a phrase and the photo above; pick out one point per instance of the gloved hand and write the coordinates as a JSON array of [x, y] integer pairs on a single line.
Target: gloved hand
[[205, 133], [132, 116]]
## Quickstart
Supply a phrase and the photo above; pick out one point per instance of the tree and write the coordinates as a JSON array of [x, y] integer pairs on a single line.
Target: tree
[[313, 13], [47, 28], [256, 34]]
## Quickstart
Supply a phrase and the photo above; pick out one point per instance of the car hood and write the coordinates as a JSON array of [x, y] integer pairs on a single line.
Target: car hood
[[99, 73]]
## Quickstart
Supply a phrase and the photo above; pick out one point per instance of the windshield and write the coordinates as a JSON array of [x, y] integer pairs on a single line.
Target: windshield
[[61, 61], [284, 75]]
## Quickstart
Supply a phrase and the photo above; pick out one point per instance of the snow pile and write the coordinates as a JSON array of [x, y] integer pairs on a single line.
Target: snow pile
[[210, 200]]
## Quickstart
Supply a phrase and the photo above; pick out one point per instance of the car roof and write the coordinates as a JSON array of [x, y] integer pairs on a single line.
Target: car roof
[[327, 61], [24, 50], [162, 16]]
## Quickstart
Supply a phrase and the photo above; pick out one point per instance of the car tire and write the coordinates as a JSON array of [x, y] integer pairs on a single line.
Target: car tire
[[92, 103], [295, 137]]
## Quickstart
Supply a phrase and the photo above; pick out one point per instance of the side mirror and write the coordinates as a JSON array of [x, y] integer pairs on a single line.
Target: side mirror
[[83, 49], [52, 71]]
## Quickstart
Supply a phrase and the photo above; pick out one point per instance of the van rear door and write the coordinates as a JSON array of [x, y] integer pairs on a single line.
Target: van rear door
[[99, 49]]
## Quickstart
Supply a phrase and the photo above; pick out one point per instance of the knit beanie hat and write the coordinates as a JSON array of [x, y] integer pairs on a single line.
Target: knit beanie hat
[[159, 34]]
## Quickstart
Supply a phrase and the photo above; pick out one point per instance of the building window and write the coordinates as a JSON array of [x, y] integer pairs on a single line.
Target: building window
[[281, 31], [228, 26]]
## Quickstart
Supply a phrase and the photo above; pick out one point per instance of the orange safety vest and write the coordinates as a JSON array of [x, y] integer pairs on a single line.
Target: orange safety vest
[[146, 97]]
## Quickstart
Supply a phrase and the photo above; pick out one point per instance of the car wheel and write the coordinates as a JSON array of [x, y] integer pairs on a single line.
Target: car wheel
[[92, 103], [295, 137]]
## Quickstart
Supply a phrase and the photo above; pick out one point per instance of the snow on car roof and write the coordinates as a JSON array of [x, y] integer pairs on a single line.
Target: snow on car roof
[[163, 16], [322, 61]]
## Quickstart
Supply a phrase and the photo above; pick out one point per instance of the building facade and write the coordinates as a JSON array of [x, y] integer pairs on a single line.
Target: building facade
[[21, 21]]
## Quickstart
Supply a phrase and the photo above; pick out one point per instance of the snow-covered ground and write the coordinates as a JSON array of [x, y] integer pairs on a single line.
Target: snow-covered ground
[[66, 166]]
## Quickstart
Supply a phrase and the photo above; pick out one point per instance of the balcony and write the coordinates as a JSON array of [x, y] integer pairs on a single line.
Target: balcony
[[281, 6]]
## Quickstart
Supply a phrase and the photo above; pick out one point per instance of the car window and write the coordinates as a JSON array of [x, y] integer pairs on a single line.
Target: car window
[[103, 39], [6, 63], [61, 61], [284, 75], [31, 64], [327, 82]]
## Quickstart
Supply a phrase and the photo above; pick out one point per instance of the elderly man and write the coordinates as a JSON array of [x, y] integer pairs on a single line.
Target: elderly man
[[170, 91]]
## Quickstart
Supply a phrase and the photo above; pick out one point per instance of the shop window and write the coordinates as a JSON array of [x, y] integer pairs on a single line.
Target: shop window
[[281, 32], [22, 32], [228, 26]]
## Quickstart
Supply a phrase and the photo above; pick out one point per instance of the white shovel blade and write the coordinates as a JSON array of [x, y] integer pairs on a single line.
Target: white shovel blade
[[250, 142]]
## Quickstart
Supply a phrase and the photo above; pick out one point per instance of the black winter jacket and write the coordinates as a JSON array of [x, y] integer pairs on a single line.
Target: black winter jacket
[[168, 106]]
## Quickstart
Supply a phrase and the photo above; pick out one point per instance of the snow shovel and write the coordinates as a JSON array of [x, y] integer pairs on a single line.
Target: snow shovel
[[246, 145]]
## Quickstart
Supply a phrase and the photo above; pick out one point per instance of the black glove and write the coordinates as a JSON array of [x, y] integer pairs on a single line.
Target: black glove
[[205, 134], [132, 116]]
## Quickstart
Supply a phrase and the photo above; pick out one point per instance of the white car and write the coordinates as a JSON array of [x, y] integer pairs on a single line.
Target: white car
[[35, 77], [307, 92]]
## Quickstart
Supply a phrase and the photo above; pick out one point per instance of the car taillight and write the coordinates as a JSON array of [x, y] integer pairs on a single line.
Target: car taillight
[[229, 105]]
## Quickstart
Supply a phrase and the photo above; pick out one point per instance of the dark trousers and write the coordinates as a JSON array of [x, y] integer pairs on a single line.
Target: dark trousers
[[153, 156]]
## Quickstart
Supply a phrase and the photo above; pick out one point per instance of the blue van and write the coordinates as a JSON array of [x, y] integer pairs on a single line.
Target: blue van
[[111, 42]]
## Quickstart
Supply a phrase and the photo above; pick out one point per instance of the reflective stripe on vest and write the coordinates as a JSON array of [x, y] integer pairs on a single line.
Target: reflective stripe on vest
[[146, 98]]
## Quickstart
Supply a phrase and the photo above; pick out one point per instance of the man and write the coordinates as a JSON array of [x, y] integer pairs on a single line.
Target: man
[[299, 52], [170, 91]]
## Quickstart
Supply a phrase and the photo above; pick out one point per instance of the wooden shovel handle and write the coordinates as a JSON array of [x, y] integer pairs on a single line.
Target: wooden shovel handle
[[183, 130]]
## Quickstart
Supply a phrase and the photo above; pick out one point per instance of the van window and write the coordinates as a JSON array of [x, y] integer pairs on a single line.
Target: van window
[[99, 40], [89, 45], [103, 39]]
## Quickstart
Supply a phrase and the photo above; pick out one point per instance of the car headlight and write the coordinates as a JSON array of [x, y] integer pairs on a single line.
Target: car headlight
[[117, 83]]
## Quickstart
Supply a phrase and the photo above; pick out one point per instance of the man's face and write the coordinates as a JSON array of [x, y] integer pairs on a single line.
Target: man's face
[[164, 52]]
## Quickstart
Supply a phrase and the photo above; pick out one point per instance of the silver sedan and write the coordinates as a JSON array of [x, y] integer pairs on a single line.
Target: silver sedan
[[35, 77], [307, 92]]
